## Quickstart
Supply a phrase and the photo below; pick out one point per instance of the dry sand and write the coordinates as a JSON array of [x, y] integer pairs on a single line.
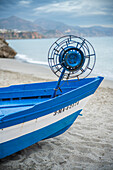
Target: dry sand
[[88, 144]]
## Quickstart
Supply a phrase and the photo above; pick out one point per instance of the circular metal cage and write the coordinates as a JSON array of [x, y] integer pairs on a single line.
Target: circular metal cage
[[74, 54]]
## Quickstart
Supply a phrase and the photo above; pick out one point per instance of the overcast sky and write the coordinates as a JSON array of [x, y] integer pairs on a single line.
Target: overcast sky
[[72, 12]]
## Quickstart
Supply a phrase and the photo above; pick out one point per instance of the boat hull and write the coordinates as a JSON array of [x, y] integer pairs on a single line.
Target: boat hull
[[25, 134], [24, 141], [45, 120]]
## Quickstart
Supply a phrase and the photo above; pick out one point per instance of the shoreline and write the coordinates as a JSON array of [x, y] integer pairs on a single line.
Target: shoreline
[[38, 71]]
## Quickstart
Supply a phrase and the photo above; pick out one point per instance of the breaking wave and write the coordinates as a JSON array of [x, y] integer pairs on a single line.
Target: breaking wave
[[25, 58]]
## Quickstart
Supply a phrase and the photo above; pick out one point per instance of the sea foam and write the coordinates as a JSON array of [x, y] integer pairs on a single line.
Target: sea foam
[[25, 58]]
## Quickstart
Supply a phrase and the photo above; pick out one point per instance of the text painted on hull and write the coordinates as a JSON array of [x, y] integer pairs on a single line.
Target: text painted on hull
[[65, 108]]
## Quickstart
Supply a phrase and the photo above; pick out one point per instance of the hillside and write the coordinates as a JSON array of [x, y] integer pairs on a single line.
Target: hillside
[[55, 27], [47, 28], [17, 23]]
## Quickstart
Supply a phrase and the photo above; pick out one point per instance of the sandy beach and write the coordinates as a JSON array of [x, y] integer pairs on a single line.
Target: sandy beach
[[88, 144]]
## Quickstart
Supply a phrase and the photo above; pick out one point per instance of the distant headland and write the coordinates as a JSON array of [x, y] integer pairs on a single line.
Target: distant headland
[[17, 28]]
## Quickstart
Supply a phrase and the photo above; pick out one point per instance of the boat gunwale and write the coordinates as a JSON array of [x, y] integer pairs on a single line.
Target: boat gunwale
[[4, 119]]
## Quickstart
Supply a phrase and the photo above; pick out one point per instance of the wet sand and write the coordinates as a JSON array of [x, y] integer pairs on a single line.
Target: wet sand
[[88, 144]]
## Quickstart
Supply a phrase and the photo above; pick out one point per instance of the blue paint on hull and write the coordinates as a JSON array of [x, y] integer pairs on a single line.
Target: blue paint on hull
[[50, 105], [52, 130], [18, 104]]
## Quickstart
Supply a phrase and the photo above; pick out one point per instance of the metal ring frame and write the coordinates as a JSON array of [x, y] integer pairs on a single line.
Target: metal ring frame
[[76, 42]]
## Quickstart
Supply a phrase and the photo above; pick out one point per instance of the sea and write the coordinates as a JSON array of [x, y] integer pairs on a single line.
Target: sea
[[36, 51]]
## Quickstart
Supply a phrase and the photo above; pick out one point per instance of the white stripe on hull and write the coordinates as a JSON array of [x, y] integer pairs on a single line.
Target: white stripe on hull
[[21, 129]]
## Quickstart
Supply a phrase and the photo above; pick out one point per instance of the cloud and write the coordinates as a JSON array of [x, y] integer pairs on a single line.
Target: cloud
[[66, 6], [78, 7], [25, 3]]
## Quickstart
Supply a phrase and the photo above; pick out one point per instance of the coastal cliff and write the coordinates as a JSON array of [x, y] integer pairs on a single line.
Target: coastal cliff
[[9, 34], [5, 50]]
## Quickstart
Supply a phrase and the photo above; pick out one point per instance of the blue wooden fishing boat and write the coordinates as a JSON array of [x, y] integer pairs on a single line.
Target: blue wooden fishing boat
[[33, 112]]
